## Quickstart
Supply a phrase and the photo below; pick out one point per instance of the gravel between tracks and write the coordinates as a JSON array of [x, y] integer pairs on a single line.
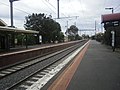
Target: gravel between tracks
[[13, 78]]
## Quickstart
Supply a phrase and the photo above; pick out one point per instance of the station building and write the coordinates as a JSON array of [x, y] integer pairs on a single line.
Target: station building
[[111, 24], [7, 39]]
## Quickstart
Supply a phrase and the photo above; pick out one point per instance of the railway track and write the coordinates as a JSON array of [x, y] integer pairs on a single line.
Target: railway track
[[36, 69]]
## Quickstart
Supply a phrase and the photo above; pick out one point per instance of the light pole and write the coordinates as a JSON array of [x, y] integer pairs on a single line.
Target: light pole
[[58, 8], [11, 10], [110, 9], [11, 15]]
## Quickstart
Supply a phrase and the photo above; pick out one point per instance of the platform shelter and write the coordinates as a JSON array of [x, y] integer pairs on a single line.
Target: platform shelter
[[112, 24], [6, 35]]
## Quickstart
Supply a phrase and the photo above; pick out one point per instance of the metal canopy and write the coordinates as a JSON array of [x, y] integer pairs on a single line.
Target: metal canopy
[[16, 30]]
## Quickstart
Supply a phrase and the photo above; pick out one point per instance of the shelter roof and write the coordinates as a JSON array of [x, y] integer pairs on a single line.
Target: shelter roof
[[16, 30], [2, 23], [110, 17]]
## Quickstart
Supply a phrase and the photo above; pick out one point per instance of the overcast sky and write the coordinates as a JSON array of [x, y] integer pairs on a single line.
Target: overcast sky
[[88, 11]]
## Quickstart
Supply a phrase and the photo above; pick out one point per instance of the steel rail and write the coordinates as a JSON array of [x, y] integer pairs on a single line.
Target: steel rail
[[70, 50], [20, 66]]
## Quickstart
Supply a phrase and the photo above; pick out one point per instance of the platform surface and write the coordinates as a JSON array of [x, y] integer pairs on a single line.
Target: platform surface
[[98, 70]]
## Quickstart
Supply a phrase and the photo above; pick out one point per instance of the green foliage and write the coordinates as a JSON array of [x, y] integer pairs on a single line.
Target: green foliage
[[99, 37], [47, 27], [21, 39], [85, 36], [72, 33], [77, 37]]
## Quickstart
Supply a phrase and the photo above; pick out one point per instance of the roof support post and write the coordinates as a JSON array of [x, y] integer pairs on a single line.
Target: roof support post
[[26, 36]]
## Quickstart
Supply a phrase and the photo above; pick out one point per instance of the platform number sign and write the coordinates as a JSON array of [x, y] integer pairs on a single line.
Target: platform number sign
[[113, 39]]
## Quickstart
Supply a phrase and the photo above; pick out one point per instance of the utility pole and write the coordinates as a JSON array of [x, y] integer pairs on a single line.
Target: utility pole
[[11, 10], [95, 28], [67, 24], [58, 9], [11, 15]]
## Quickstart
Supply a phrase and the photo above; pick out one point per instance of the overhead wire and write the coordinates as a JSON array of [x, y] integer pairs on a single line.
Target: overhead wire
[[50, 4], [30, 13], [117, 8], [54, 7], [49, 7], [15, 8], [64, 20], [81, 10], [20, 9], [83, 13], [33, 9]]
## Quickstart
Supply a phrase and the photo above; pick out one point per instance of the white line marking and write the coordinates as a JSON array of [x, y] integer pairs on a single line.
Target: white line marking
[[35, 78], [12, 70], [46, 70], [43, 72], [39, 75], [16, 68], [2, 74], [24, 86], [6, 72], [30, 82]]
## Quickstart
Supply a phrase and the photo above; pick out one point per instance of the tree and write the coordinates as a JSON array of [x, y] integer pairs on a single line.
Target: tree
[[77, 37], [72, 32], [47, 27], [99, 37], [85, 36]]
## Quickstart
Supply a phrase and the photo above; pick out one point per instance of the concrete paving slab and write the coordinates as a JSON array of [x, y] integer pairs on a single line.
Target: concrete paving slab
[[99, 70]]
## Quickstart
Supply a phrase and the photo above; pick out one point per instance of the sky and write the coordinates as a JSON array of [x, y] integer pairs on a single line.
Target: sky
[[87, 11]]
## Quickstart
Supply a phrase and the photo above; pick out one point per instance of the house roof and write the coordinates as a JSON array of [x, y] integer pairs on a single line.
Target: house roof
[[110, 17]]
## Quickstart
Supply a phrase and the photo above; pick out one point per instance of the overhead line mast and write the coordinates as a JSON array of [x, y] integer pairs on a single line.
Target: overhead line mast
[[58, 9]]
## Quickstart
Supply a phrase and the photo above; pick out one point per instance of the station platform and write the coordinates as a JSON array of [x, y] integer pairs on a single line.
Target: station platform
[[21, 48], [98, 69]]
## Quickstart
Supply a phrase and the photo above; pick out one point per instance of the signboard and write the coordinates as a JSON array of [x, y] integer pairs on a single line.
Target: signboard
[[113, 38], [40, 39]]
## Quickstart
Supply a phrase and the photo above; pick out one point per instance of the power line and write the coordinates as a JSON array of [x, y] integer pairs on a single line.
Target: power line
[[29, 13], [117, 9], [81, 10], [4, 4], [54, 7], [48, 6], [23, 10], [117, 6], [15, 8], [29, 7]]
